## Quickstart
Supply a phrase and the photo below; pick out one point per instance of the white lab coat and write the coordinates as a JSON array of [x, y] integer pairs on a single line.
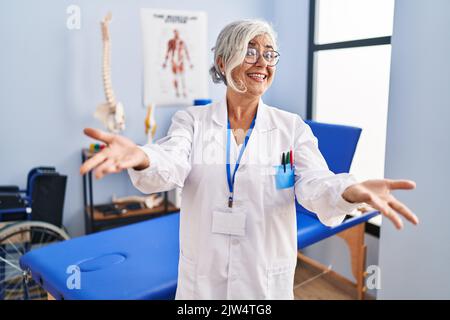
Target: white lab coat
[[260, 264]]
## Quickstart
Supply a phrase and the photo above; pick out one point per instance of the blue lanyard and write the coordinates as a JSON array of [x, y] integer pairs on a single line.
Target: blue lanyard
[[230, 177]]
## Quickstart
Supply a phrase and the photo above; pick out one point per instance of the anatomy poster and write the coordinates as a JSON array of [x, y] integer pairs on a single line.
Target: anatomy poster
[[175, 56]]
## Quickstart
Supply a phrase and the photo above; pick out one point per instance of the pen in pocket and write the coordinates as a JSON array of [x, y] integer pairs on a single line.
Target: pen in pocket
[[287, 159], [291, 158]]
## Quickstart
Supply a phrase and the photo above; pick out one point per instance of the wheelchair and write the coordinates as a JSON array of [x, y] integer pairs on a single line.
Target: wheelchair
[[29, 219]]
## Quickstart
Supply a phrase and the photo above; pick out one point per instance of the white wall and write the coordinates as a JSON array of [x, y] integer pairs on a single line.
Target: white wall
[[415, 262], [290, 20]]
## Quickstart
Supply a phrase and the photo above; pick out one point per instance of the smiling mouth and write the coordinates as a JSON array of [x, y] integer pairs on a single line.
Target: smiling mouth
[[258, 77]]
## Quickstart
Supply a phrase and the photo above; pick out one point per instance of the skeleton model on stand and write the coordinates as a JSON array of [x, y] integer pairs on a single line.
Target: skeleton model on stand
[[110, 113]]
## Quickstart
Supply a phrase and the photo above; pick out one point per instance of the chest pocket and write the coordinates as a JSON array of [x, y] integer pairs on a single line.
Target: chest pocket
[[278, 187]]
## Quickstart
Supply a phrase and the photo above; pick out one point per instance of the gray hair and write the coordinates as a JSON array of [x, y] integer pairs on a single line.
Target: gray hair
[[231, 46]]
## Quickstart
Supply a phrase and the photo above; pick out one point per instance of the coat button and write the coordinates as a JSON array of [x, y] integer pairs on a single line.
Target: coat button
[[235, 242]]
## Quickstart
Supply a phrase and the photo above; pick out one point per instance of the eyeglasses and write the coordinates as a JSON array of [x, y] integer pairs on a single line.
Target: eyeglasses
[[271, 56]]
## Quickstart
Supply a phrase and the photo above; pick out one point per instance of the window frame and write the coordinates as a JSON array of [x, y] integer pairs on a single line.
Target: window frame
[[311, 70]]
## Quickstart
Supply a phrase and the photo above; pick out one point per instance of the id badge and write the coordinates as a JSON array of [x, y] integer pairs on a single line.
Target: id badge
[[229, 221]]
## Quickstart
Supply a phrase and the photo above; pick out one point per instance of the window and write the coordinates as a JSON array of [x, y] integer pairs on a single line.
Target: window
[[346, 20], [348, 74]]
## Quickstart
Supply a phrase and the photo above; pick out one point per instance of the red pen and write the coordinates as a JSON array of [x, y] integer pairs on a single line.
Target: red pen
[[291, 157]]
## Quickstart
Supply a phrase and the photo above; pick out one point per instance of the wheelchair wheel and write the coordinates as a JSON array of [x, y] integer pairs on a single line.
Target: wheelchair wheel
[[15, 240]]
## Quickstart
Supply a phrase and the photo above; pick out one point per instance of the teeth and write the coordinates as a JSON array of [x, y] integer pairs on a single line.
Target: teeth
[[257, 75]]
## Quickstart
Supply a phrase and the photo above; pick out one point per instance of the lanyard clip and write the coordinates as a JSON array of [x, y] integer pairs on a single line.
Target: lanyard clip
[[230, 201]]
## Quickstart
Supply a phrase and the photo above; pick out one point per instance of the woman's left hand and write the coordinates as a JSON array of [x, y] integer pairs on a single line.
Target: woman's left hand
[[377, 194]]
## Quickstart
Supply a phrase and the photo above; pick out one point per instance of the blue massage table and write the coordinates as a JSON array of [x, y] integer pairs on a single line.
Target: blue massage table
[[140, 261]]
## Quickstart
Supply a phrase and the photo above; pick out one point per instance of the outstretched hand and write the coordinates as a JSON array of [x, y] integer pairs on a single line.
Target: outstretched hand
[[377, 194], [121, 153]]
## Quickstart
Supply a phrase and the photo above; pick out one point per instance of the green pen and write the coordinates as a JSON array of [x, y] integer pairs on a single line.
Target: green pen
[[288, 161]]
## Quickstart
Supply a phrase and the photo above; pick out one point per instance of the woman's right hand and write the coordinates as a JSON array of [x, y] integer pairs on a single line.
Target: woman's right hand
[[120, 153]]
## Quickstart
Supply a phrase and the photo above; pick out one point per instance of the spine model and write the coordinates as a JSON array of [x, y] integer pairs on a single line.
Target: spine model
[[110, 113]]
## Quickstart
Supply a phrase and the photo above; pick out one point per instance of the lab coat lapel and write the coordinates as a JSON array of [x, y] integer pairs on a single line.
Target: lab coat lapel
[[219, 113]]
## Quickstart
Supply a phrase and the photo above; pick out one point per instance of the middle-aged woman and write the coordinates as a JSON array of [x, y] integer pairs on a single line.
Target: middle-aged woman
[[238, 234]]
